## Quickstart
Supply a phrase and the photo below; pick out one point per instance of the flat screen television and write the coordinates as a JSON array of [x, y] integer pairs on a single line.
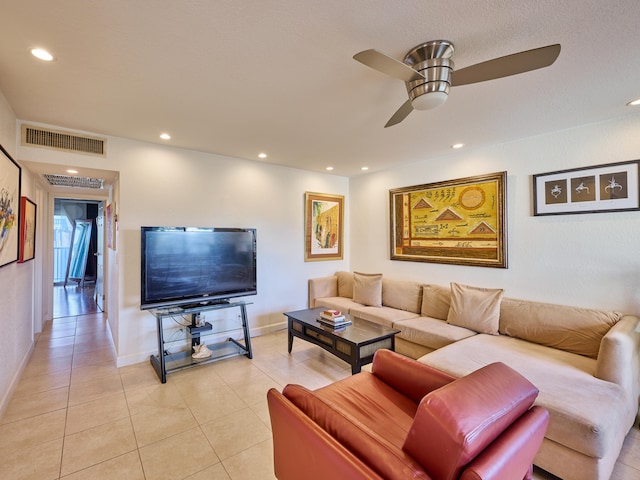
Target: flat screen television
[[189, 266]]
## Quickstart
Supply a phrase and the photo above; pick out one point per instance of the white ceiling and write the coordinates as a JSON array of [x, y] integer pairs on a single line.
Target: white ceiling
[[239, 77]]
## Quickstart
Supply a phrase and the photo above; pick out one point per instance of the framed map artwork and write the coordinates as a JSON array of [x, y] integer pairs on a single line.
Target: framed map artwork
[[460, 222]]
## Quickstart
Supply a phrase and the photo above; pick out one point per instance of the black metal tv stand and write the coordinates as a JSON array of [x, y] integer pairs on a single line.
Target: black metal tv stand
[[190, 332]]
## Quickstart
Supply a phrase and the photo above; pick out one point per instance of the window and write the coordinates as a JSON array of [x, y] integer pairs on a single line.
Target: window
[[62, 230]]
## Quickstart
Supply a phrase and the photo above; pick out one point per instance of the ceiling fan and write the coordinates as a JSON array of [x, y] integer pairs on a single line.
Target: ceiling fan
[[428, 73]]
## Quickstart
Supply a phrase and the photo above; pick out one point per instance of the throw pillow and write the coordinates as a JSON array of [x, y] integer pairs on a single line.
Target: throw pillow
[[367, 289], [475, 308]]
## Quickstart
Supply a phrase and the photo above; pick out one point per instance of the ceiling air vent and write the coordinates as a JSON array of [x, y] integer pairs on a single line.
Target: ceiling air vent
[[72, 181], [63, 141]]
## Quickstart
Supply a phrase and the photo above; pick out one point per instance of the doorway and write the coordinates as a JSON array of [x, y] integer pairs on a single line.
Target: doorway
[[76, 269]]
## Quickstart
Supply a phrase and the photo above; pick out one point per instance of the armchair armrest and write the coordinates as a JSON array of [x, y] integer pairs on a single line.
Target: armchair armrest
[[322, 287], [511, 454], [408, 376], [302, 449], [619, 356]]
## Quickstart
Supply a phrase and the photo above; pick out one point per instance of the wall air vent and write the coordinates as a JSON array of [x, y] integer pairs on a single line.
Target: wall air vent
[[63, 141], [72, 181]]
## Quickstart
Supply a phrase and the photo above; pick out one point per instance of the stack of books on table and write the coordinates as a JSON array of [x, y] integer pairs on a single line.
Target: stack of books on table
[[334, 318]]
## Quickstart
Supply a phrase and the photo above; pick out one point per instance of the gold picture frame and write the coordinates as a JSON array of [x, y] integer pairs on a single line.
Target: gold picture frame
[[461, 222], [323, 226]]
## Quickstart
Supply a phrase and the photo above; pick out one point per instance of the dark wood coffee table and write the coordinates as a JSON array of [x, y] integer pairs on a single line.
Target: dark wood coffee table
[[354, 344]]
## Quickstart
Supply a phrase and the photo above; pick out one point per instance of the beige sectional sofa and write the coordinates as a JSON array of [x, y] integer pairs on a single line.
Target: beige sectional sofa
[[585, 362]]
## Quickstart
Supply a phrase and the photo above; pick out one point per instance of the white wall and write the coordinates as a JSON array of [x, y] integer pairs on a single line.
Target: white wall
[[586, 260], [162, 186], [16, 287], [159, 185]]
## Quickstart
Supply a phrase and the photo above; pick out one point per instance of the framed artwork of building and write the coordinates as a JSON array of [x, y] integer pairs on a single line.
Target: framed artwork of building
[[324, 226]]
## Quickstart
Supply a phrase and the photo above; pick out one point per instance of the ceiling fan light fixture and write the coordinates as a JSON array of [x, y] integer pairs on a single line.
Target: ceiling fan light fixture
[[429, 100], [432, 90]]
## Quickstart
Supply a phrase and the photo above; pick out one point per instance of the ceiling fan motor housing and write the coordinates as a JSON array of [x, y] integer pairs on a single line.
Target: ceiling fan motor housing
[[433, 61]]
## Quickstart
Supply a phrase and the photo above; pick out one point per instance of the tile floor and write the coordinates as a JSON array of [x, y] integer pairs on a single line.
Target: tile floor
[[74, 415]]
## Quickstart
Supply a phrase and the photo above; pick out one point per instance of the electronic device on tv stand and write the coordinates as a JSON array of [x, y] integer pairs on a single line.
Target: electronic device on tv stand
[[196, 266]]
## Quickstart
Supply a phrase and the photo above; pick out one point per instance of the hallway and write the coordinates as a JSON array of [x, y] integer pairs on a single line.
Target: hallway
[[73, 300]]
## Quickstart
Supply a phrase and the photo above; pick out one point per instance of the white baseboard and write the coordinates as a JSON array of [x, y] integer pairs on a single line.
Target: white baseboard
[[4, 403]]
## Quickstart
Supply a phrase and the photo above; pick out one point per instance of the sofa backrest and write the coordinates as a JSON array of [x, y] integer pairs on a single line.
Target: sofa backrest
[[436, 301], [573, 329], [402, 294], [345, 284]]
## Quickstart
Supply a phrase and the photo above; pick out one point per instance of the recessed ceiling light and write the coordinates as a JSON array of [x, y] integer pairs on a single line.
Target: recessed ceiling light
[[72, 171], [364, 169], [165, 136], [262, 155], [329, 168], [634, 103], [41, 54], [457, 145]]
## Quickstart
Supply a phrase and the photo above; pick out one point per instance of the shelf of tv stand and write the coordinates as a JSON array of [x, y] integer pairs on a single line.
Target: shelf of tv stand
[[165, 362]]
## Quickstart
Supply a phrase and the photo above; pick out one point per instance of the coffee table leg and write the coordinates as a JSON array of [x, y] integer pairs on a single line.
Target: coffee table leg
[[355, 360], [290, 341]]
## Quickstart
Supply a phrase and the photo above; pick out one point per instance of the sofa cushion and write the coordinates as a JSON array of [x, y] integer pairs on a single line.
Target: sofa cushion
[[587, 414], [431, 332], [403, 295], [337, 303], [475, 308], [370, 401], [385, 316], [367, 289], [436, 301], [370, 445], [573, 329], [345, 284], [456, 422]]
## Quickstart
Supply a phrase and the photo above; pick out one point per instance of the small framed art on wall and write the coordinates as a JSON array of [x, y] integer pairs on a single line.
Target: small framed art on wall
[[612, 187]]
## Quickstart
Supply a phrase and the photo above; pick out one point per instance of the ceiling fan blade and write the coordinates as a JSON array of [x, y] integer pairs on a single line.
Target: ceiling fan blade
[[508, 65], [400, 114], [387, 65]]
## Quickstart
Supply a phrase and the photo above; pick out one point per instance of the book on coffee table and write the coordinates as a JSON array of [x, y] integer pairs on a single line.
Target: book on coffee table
[[334, 324], [332, 315]]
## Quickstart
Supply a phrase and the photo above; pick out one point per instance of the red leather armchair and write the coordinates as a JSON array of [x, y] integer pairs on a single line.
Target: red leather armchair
[[406, 420]]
